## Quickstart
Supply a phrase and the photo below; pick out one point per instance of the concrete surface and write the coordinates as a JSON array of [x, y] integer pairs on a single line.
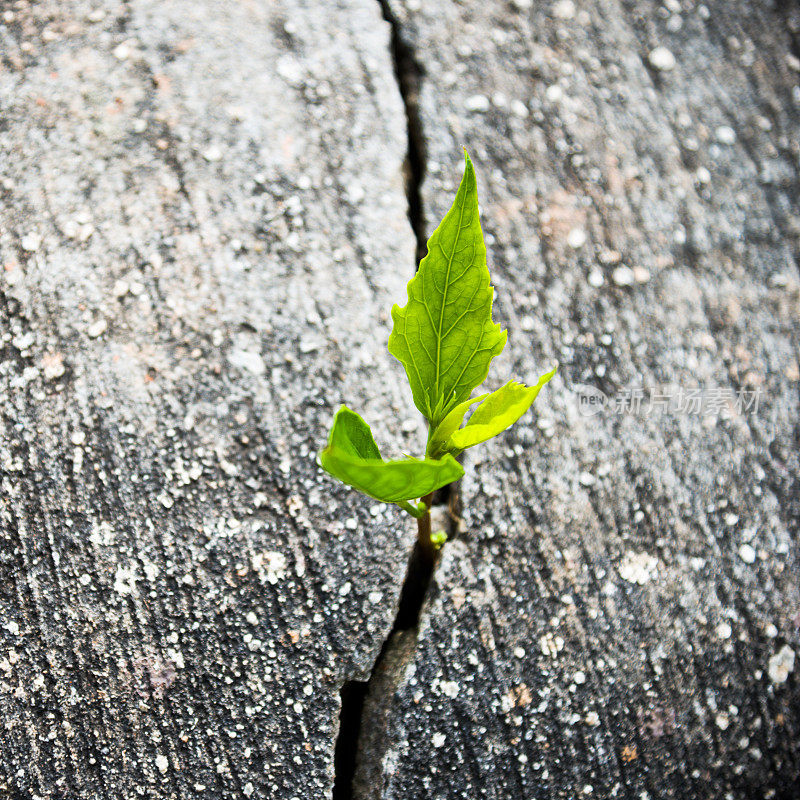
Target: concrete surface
[[203, 224]]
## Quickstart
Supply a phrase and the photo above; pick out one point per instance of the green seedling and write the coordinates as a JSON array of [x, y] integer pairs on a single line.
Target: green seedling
[[445, 339]]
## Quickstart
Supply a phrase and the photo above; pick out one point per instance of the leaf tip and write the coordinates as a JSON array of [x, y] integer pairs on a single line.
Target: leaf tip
[[468, 168]]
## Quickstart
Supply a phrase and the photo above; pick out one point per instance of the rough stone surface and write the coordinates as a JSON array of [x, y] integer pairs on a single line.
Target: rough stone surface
[[202, 227], [597, 631]]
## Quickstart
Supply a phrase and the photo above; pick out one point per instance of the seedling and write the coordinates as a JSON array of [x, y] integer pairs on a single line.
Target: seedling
[[445, 339]]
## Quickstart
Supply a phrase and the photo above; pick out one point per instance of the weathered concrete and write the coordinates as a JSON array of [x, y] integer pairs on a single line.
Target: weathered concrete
[[203, 226], [614, 620]]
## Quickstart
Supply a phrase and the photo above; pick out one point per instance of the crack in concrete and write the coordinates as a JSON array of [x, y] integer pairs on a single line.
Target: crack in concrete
[[352, 750], [358, 754], [408, 73], [367, 704]]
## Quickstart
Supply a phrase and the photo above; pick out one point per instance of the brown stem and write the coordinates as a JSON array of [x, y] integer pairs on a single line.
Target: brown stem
[[426, 548]]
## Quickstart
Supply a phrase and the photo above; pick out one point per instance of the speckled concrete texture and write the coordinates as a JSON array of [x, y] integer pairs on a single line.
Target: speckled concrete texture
[[206, 212]]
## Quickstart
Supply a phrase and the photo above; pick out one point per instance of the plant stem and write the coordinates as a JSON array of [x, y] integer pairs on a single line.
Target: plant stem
[[415, 511], [426, 548], [407, 507]]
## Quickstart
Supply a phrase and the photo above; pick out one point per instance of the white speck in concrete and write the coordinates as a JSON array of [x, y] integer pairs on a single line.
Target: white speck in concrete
[[564, 9], [725, 134], [355, 192], [176, 657], [478, 103], [586, 479], [771, 631], [661, 59], [212, 153], [554, 93], [638, 568], [270, 566], [290, 69], [249, 361], [519, 108], [97, 328], [595, 278], [122, 51], [449, 688], [125, 581], [150, 570], [550, 645], [623, 276], [781, 665], [309, 344], [747, 554], [576, 238], [30, 242], [703, 175]]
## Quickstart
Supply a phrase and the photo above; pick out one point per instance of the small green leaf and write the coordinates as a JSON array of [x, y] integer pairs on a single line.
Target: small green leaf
[[352, 436], [499, 411], [444, 336], [353, 458], [437, 440]]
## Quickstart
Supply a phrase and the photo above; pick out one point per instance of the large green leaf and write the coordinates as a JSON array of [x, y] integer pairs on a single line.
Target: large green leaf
[[353, 458], [444, 336], [500, 410]]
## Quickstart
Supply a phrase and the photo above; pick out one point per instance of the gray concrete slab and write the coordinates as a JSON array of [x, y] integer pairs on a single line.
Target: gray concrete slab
[[203, 226], [618, 614]]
